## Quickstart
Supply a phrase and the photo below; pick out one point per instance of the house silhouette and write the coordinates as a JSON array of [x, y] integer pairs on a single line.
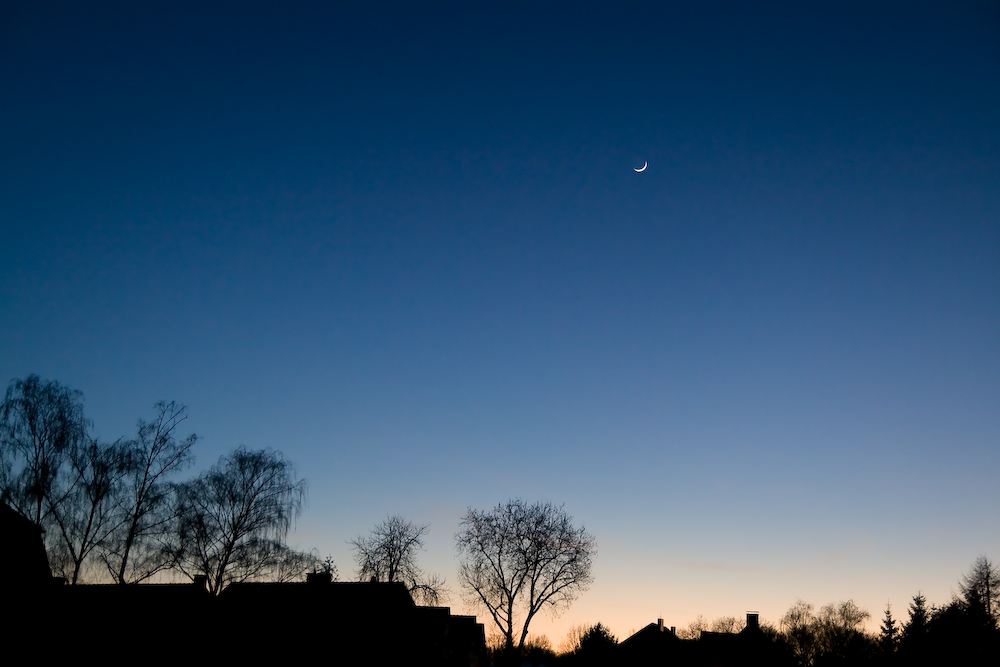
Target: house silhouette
[[254, 623], [658, 645]]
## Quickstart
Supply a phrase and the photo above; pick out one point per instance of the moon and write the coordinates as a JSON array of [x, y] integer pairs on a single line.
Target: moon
[[644, 165]]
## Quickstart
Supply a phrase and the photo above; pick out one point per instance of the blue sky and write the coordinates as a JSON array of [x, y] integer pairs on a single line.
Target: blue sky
[[406, 245]]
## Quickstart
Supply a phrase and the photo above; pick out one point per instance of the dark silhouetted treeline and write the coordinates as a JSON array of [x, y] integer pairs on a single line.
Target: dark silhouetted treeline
[[116, 511], [77, 510], [965, 631]]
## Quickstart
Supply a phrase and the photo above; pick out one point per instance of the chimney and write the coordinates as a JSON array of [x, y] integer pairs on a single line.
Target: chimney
[[753, 620], [673, 630], [200, 582], [659, 624]]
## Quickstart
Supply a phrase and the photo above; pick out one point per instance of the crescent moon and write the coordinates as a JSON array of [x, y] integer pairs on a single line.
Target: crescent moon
[[645, 164]]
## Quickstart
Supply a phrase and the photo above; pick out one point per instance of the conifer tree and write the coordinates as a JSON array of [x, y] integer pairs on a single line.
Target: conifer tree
[[889, 632], [917, 625]]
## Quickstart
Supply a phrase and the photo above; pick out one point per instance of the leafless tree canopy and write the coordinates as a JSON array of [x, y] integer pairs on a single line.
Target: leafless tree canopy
[[982, 586], [518, 559], [828, 633], [138, 547], [389, 554], [235, 517], [82, 504], [40, 422], [287, 564], [728, 624], [571, 643], [694, 628], [112, 508], [52, 473]]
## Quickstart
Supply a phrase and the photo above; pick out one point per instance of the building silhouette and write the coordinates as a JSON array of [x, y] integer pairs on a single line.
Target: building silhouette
[[252, 623]]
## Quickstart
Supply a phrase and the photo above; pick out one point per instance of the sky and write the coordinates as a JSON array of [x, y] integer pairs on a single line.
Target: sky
[[406, 245]]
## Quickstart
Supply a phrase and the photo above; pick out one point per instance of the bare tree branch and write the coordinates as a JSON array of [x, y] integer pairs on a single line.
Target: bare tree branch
[[137, 549], [234, 518], [82, 507], [982, 586], [40, 422], [520, 559], [389, 554]]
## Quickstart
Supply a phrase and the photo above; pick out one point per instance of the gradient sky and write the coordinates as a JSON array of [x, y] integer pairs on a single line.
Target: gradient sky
[[406, 246]]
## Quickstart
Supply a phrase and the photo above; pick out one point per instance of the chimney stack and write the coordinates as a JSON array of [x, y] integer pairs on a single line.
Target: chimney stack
[[753, 620], [659, 624]]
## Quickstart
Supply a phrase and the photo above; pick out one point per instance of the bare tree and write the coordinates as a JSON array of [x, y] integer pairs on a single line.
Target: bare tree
[[40, 422], [137, 549], [235, 517], [571, 644], [799, 625], [82, 507], [982, 586], [841, 631], [836, 633], [389, 554], [694, 628], [728, 624], [287, 564], [518, 559]]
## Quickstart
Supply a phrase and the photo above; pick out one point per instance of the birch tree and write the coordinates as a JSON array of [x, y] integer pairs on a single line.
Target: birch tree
[[235, 517], [138, 548]]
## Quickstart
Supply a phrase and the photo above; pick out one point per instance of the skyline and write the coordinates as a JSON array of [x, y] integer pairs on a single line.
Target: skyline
[[408, 247]]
